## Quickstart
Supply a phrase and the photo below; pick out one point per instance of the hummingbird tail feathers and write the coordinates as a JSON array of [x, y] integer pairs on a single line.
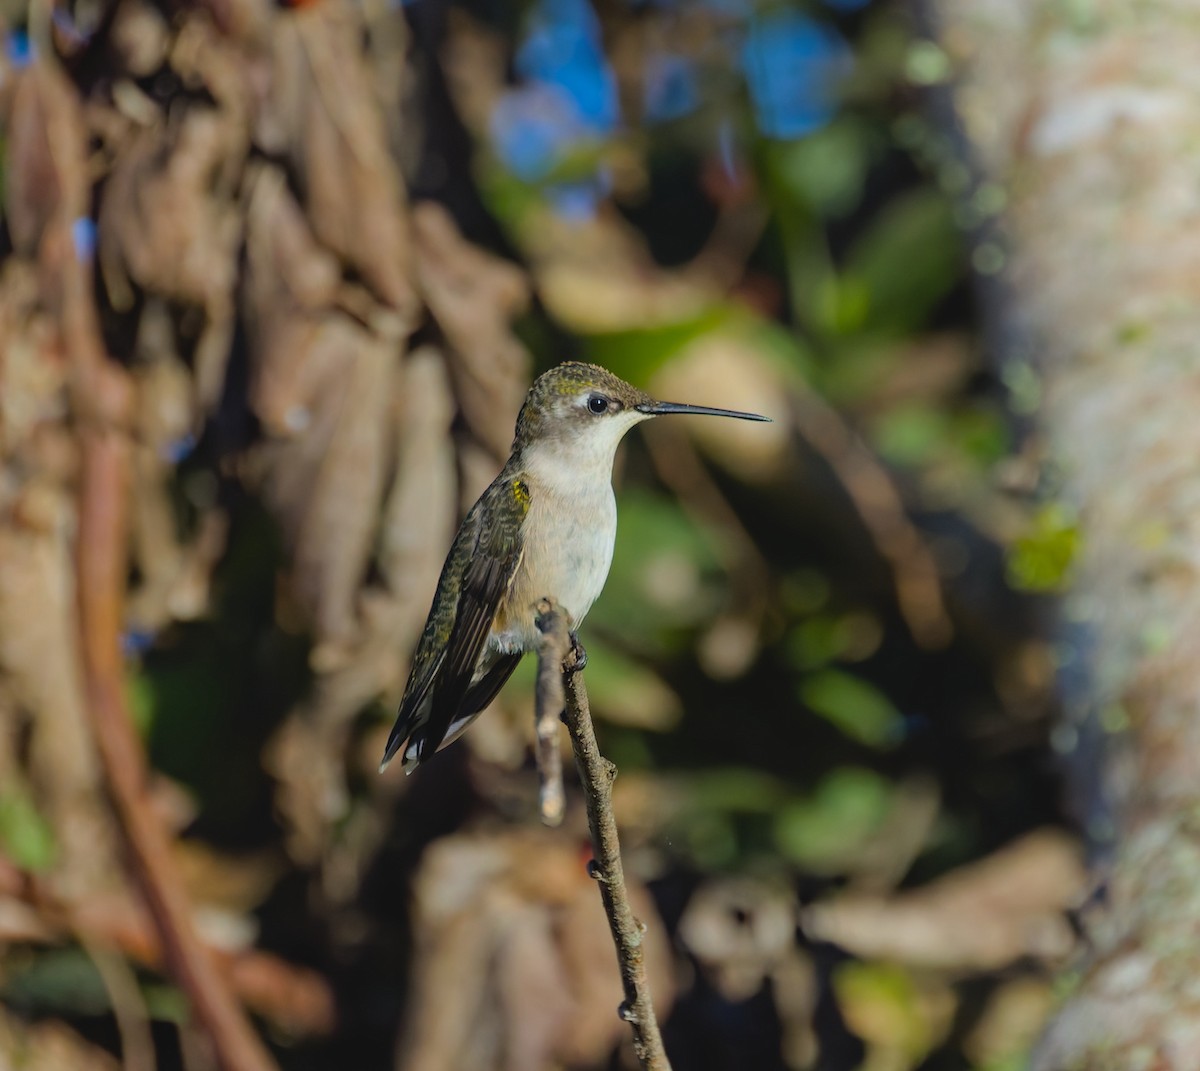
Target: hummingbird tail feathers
[[414, 730]]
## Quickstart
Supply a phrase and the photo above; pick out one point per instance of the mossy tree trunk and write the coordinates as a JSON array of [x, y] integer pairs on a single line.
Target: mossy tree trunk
[[1085, 115]]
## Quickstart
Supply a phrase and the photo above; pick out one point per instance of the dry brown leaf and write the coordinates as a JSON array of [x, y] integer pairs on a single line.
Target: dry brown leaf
[[166, 176], [1010, 1023], [306, 756], [323, 114], [326, 484], [324, 388], [740, 930], [38, 648], [982, 916], [598, 276], [48, 1046], [33, 186], [38, 658], [321, 388], [289, 267], [173, 577], [512, 939], [169, 225], [474, 297], [728, 371], [32, 377], [421, 513], [140, 37], [38, 631]]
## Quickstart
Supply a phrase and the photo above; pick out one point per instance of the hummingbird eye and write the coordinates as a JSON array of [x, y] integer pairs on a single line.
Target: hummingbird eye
[[597, 404]]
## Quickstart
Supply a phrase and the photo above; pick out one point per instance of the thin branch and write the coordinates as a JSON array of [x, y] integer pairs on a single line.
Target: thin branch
[[128, 1006], [101, 578], [679, 466], [872, 492], [549, 705], [294, 999], [102, 397], [597, 774], [881, 509]]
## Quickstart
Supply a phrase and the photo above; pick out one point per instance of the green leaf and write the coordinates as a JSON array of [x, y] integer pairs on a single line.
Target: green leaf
[[827, 169], [25, 836], [736, 789], [139, 693], [824, 638], [825, 832], [716, 804], [637, 353], [982, 434], [661, 581], [926, 64], [1041, 560], [858, 709], [62, 980], [883, 1005], [166, 1003], [911, 434], [841, 304], [711, 840], [627, 693], [919, 434], [804, 592], [907, 261]]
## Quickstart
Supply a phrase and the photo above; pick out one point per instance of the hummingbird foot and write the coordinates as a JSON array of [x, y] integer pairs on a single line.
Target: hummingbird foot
[[578, 659]]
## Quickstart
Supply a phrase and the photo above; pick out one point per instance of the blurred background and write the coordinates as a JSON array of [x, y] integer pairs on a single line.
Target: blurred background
[[319, 251]]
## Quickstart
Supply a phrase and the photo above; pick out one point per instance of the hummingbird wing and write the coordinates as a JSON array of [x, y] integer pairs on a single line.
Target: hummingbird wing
[[484, 690], [478, 572]]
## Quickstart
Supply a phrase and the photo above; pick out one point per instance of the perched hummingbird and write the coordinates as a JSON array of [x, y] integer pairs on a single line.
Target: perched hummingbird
[[544, 528]]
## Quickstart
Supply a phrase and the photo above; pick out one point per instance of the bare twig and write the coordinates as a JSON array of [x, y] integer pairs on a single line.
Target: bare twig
[[871, 490], [101, 571], [549, 704], [679, 466], [128, 1006], [292, 998], [102, 398], [879, 506], [597, 775]]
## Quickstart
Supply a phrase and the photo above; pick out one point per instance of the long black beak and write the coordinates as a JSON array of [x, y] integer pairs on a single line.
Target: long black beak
[[662, 408]]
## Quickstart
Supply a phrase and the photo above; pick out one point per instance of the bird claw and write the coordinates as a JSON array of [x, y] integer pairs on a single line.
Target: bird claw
[[579, 655]]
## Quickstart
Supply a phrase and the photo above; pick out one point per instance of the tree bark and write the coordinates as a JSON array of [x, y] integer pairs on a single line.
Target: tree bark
[[1084, 115]]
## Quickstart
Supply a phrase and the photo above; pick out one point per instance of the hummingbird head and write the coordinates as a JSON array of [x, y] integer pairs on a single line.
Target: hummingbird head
[[585, 408]]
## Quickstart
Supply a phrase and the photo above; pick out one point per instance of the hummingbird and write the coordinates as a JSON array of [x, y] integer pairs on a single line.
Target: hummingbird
[[545, 527]]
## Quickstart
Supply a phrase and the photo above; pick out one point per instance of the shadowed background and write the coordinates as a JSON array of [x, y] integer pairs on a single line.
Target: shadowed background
[[320, 250]]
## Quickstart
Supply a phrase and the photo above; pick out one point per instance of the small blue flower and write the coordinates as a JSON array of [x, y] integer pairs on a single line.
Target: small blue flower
[[19, 49], [562, 48], [531, 127], [792, 66], [83, 234], [567, 98], [136, 641], [178, 449], [575, 201], [671, 90]]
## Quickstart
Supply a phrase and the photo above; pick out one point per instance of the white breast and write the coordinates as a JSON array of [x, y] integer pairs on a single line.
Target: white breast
[[568, 538]]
